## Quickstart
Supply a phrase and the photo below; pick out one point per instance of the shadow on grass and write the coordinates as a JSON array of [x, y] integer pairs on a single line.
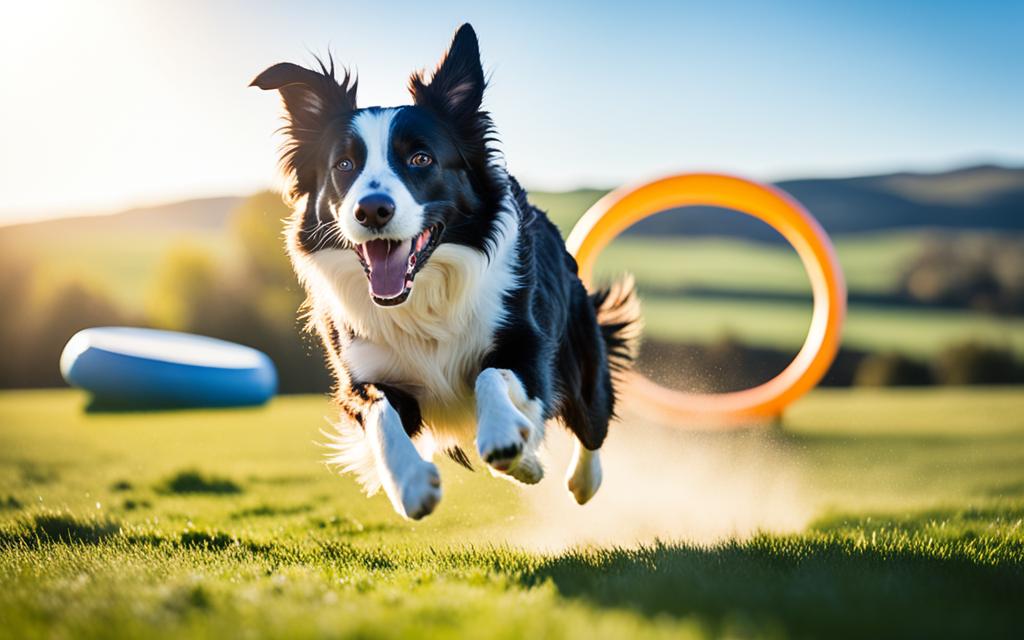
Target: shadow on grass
[[192, 481], [63, 527], [1005, 490], [44, 529], [101, 406], [59, 527], [810, 586], [10, 503], [270, 511]]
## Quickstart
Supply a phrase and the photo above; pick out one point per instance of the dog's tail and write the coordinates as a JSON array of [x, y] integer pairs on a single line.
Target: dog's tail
[[618, 314]]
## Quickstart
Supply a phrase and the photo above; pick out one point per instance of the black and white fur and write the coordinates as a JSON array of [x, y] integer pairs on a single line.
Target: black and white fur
[[488, 333]]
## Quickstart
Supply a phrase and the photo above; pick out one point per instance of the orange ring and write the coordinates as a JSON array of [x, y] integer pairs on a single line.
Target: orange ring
[[623, 207]]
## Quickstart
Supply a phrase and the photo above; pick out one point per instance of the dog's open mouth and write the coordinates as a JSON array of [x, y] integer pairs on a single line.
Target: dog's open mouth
[[391, 265]]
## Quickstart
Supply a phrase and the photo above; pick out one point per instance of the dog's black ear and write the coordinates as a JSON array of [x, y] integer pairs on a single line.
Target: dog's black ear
[[312, 100], [457, 87], [309, 94]]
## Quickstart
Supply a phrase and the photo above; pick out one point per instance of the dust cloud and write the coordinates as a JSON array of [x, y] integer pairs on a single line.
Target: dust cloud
[[669, 485]]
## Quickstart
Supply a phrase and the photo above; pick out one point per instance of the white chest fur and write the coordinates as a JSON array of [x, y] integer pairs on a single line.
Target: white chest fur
[[432, 345]]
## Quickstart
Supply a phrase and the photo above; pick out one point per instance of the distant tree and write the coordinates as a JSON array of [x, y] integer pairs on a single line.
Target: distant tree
[[68, 309], [255, 303], [1008, 268], [725, 364], [976, 363], [978, 271], [268, 280], [891, 369], [186, 288], [38, 315], [257, 224], [15, 318], [15, 292]]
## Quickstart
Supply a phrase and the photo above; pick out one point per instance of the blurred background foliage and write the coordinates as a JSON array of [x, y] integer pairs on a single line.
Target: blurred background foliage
[[983, 272], [246, 293], [726, 302]]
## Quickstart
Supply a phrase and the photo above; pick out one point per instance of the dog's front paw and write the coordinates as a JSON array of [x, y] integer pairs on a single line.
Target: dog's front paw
[[504, 444], [528, 469], [510, 426], [502, 438], [417, 491]]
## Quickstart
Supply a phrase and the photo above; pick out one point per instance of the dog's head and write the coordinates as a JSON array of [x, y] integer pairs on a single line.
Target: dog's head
[[390, 184]]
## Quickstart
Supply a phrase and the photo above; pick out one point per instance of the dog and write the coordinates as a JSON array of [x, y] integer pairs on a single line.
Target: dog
[[450, 311]]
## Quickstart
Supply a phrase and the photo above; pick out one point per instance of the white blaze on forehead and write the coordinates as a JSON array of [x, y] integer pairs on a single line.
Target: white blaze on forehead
[[378, 176], [374, 128]]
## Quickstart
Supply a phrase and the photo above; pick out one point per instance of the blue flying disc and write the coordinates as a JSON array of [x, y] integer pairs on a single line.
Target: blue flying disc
[[139, 368]]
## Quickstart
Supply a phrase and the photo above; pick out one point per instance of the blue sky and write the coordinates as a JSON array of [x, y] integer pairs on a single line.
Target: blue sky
[[110, 104]]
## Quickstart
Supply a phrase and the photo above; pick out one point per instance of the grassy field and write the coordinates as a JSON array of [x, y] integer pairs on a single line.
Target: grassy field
[[868, 514], [871, 262], [783, 324]]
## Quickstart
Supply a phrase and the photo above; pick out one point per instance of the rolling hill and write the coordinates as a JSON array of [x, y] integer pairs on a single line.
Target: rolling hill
[[200, 214], [985, 197]]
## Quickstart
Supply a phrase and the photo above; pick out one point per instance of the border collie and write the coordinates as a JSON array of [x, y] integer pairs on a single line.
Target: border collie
[[450, 311]]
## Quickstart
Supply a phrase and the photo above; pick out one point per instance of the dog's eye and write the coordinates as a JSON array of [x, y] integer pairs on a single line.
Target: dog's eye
[[345, 164], [420, 160]]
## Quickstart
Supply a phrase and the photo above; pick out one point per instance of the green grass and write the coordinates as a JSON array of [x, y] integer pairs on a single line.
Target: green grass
[[565, 207], [871, 263], [223, 523], [918, 332]]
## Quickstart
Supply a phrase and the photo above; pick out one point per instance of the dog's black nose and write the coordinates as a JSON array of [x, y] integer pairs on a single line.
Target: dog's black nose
[[375, 210]]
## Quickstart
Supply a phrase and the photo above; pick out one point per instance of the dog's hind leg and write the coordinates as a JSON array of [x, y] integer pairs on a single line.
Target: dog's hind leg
[[584, 474], [588, 400], [589, 426]]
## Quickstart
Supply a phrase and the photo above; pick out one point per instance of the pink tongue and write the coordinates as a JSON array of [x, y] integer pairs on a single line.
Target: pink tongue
[[389, 261]]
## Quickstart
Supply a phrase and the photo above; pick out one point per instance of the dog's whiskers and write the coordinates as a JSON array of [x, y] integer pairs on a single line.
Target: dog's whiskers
[[325, 232]]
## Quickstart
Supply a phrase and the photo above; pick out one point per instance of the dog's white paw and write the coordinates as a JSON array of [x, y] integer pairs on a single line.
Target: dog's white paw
[[509, 427], [502, 437], [584, 477], [417, 491], [528, 470], [513, 458]]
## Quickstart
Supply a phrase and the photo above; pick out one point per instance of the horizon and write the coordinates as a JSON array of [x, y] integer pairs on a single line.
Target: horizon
[[158, 203], [136, 115]]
